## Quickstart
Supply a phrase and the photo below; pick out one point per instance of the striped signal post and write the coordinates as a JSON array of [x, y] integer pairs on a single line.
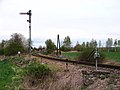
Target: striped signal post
[[96, 57], [58, 46], [29, 13]]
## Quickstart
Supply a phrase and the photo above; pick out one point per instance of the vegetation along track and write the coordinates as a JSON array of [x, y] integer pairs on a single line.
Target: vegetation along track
[[75, 62]]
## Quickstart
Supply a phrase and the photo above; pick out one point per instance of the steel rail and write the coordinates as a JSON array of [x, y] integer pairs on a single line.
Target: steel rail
[[76, 62]]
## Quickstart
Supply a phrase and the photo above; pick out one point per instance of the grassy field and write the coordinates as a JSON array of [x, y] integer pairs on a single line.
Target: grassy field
[[71, 55], [115, 56]]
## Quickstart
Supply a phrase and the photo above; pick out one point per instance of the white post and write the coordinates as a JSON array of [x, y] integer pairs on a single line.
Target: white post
[[96, 64], [96, 57]]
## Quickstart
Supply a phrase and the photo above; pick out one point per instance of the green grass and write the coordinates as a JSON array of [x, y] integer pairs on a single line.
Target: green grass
[[71, 55], [6, 74], [115, 56], [12, 73]]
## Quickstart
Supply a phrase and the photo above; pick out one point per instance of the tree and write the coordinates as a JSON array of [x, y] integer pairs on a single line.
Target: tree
[[15, 44], [83, 44], [80, 47], [118, 43], [93, 43], [87, 44], [118, 48], [115, 44], [50, 46], [77, 46], [67, 42], [109, 43], [2, 44]]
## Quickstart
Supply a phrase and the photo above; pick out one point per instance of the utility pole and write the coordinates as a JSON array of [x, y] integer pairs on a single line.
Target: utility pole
[[29, 13], [58, 46]]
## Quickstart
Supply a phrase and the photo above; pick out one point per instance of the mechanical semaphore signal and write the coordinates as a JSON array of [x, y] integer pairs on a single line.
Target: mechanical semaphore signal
[[30, 14]]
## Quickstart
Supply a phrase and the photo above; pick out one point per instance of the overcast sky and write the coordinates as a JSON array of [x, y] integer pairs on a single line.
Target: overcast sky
[[82, 20]]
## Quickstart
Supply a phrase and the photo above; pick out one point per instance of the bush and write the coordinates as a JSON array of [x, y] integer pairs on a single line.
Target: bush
[[13, 49], [63, 48], [1, 51], [84, 56], [38, 71], [19, 61]]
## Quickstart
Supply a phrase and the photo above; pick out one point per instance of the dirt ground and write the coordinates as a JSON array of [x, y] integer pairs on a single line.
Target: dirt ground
[[72, 78]]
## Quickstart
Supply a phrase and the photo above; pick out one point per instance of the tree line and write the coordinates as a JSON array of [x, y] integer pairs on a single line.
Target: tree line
[[110, 45], [18, 42], [66, 45]]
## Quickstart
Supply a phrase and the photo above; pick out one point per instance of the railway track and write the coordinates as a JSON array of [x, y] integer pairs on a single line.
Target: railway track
[[75, 62]]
